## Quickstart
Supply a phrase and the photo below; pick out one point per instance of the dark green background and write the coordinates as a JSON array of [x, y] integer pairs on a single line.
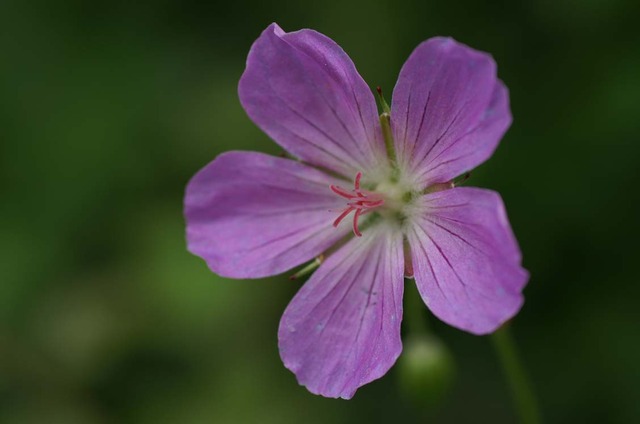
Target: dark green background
[[107, 108]]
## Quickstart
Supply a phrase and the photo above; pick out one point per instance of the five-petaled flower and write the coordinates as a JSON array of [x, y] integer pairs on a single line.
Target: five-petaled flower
[[371, 194]]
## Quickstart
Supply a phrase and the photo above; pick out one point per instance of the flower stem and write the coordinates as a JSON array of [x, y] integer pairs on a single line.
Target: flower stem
[[519, 383]]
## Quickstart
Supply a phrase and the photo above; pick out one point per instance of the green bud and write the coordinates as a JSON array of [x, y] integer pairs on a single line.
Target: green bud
[[383, 102], [308, 269], [387, 134], [426, 371]]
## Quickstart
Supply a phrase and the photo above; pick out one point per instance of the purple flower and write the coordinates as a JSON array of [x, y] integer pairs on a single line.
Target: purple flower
[[250, 215]]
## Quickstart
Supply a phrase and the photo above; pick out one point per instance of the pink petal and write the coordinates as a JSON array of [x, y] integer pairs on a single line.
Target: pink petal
[[466, 260], [342, 329], [449, 110], [251, 215], [302, 89]]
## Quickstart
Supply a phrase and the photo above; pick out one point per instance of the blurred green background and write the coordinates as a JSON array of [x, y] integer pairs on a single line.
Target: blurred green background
[[107, 108]]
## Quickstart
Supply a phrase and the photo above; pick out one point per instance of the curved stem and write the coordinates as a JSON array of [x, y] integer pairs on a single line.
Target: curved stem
[[518, 382]]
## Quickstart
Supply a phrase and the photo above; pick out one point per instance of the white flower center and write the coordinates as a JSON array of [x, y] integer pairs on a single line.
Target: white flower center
[[389, 199]]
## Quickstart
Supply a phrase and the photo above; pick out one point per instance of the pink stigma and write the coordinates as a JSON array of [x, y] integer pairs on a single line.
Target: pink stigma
[[359, 201]]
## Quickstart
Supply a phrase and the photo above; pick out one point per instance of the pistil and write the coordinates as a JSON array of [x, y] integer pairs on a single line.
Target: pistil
[[359, 201]]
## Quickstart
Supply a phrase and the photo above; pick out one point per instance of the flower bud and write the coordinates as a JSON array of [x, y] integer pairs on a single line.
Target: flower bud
[[426, 371]]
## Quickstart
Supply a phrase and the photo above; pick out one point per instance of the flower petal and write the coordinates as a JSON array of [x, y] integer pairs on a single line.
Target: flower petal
[[342, 329], [250, 215], [449, 110], [303, 90], [466, 260]]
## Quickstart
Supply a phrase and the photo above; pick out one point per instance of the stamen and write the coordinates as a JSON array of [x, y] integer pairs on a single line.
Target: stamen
[[361, 202]]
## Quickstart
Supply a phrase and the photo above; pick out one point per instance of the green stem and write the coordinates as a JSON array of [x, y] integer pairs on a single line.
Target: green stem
[[519, 383]]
